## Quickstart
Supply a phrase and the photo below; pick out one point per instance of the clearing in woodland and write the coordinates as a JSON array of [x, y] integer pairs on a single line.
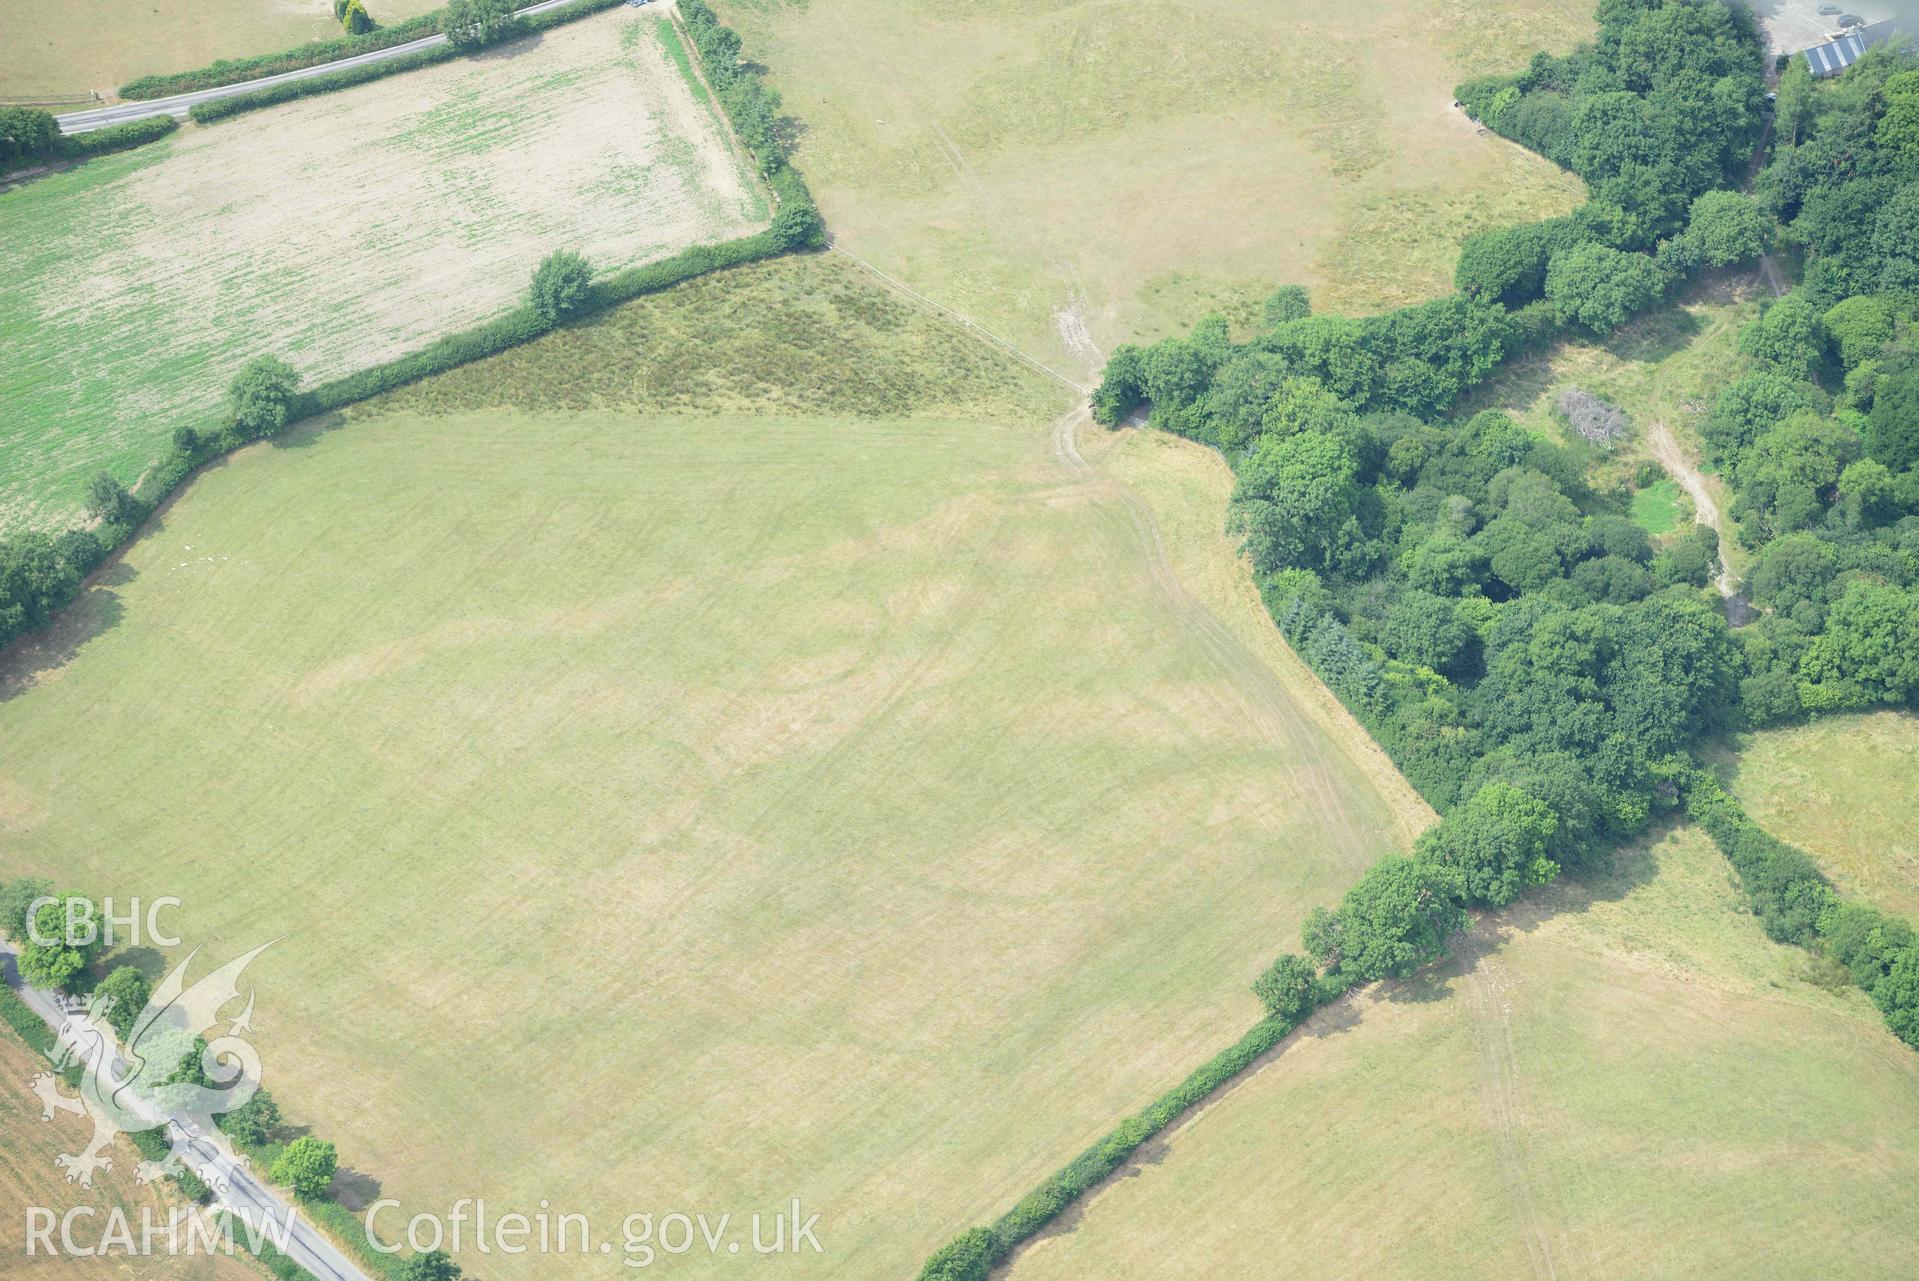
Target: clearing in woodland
[[1617, 1078], [336, 232], [795, 778], [1082, 173]]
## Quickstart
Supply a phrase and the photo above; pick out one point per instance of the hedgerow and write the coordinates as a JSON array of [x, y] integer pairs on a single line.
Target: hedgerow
[[1795, 904], [39, 573], [207, 113], [235, 70]]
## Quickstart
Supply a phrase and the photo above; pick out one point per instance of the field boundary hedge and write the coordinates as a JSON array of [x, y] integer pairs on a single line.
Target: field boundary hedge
[[229, 71], [99, 142], [272, 95]]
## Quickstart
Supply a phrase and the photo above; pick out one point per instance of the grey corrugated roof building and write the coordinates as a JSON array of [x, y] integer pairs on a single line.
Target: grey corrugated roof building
[[1835, 56]]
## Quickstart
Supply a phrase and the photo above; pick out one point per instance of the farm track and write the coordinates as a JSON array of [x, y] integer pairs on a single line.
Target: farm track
[[1668, 452]]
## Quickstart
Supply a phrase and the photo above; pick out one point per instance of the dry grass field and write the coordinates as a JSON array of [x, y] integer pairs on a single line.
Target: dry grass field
[[65, 49], [717, 754], [1843, 788], [1081, 173], [29, 1177], [336, 232], [1622, 1080]]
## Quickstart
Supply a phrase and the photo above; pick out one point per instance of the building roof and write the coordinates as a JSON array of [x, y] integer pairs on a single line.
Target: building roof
[[1835, 56]]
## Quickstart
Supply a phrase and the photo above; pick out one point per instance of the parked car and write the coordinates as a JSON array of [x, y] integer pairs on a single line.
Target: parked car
[[1851, 20], [1828, 10]]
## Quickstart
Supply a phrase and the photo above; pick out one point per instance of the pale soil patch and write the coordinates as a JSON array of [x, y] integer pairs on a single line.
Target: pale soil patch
[[341, 231]]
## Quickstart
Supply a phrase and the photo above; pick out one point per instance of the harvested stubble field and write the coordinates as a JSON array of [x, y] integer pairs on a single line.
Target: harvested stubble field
[[29, 1176], [789, 785], [1843, 788], [1081, 173], [1619, 1079], [337, 232], [66, 48]]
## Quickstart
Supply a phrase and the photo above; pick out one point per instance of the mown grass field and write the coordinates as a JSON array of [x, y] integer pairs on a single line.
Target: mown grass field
[[30, 1177], [336, 232], [1843, 789], [714, 755], [1089, 172], [65, 49], [1625, 1079]]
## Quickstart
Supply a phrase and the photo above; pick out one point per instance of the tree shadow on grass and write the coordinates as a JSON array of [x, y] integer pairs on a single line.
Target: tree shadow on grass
[[1654, 336], [508, 49], [95, 611], [306, 433], [354, 1189], [1628, 868]]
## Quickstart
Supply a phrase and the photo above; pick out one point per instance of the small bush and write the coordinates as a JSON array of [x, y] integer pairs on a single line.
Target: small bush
[[560, 287]]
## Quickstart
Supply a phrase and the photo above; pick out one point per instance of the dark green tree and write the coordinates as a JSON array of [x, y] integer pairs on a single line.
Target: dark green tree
[[307, 1166], [260, 397], [560, 286]]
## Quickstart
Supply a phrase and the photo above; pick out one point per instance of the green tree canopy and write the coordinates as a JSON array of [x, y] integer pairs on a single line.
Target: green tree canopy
[[307, 1166]]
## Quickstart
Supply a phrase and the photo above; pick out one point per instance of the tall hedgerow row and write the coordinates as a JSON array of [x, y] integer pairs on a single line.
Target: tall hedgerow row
[[273, 95]]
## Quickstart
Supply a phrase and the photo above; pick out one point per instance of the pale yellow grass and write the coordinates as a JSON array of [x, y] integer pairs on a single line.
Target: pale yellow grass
[[699, 810], [1621, 1080], [1088, 172]]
